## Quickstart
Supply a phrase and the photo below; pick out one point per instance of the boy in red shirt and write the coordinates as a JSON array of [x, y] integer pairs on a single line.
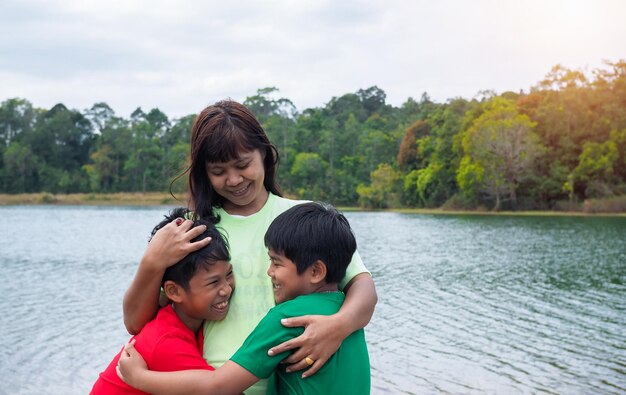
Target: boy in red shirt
[[199, 286]]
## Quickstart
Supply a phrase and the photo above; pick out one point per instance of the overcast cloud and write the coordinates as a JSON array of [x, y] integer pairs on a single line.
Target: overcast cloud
[[182, 55]]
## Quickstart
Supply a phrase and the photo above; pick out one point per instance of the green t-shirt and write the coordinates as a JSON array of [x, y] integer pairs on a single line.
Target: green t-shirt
[[253, 295], [347, 372]]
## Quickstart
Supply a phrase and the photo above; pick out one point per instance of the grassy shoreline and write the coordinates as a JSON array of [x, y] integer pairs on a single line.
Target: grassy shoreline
[[165, 199], [93, 199]]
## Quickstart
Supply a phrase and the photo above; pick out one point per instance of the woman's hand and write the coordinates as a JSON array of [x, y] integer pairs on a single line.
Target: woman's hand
[[321, 339], [130, 365], [169, 245], [172, 243], [323, 334]]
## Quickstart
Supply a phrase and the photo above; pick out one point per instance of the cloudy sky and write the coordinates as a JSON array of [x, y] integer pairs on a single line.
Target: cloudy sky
[[182, 55]]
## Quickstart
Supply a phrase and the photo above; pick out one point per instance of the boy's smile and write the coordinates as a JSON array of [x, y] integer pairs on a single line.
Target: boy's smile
[[286, 281], [208, 296]]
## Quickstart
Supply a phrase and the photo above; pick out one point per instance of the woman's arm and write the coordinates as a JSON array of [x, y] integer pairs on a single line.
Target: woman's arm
[[229, 379], [168, 246], [324, 334]]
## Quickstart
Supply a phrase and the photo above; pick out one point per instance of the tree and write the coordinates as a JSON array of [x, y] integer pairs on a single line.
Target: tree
[[430, 151], [176, 150], [378, 147], [145, 163], [595, 168], [21, 167], [407, 154], [117, 136], [308, 172], [99, 115], [501, 142], [17, 116], [372, 99], [264, 106], [101, 170], [469, 176], [383, 191], [439, 181], [62, 139]]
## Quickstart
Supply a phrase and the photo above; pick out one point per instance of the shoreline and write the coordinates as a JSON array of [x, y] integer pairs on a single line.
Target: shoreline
[[93, 199], [165, 199]]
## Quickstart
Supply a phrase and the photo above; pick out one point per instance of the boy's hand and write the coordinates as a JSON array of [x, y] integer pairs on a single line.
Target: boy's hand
[[172, 243], [321, 339], [130, 365]]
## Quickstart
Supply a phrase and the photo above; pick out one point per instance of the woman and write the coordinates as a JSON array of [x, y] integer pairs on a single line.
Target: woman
[[232, 182]]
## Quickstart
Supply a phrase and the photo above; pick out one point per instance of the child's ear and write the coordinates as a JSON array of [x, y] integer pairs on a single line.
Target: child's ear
[[173, 291], [318, 272]]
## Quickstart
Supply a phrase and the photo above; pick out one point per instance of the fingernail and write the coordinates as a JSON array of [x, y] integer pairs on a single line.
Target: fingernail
[[270, 353], [284, 321]]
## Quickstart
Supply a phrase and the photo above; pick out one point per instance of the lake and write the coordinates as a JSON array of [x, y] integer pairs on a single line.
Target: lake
[[467, 304]]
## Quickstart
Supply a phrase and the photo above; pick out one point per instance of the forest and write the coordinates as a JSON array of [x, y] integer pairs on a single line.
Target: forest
[[552, 147]]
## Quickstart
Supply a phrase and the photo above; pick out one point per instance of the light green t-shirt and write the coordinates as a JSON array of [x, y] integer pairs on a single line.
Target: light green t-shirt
[[347, 372], [253, 295]]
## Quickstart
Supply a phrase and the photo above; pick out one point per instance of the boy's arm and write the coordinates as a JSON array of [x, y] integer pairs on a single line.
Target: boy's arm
[[324, 334], [230, 378], [168, 246]]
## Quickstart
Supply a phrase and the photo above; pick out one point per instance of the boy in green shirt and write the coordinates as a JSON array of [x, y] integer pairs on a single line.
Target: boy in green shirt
[[310, 247]]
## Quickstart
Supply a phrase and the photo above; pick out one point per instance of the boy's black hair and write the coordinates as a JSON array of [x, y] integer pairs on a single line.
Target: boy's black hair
[[186, 268], [313, 231]]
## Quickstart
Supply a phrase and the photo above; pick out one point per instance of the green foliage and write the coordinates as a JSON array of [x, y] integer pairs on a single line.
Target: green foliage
[[501, 146], [559, 144], [436, 151], [263, 105], [423, 187], [308, 172], [595, 168], [469, 176], [101, 170], [596, 161], [383, 190], [21, 169]]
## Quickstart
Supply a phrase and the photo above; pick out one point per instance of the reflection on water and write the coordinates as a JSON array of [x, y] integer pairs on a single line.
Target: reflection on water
[[467, 304]]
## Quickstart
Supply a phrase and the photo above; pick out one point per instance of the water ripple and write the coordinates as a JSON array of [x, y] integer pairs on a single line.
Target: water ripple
[[467, 304], [498, 305]]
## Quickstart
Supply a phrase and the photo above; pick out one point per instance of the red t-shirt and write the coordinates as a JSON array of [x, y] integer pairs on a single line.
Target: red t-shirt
[[166, 344]]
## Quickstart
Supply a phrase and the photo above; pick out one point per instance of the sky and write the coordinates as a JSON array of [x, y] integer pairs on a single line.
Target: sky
[[180, 56]]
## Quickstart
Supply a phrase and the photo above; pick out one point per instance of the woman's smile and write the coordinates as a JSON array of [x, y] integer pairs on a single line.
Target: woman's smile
[[240, 182]]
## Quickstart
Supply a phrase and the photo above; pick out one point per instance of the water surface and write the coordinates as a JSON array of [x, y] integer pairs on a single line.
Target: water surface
[[467, 304]]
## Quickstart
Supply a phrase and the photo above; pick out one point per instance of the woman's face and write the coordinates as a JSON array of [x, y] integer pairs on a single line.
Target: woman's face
[[240, 182]]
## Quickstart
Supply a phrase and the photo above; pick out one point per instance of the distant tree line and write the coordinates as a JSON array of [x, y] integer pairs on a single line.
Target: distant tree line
[[560, 143]]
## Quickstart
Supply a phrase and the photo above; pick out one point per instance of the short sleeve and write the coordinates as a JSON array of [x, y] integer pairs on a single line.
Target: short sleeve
[[252, 355], [355, 268], [177, 353]]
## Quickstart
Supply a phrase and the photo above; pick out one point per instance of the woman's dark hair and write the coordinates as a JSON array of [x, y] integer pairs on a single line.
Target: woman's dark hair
[[219, 134], [186, 268], [313, 231]]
